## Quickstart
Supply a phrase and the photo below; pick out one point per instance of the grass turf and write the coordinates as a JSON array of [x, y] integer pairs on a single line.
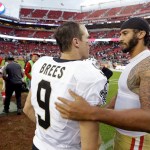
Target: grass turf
[[106, 131]]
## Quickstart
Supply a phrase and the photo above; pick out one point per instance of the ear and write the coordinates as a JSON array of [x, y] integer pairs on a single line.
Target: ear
[[141, 34], [75, 42]]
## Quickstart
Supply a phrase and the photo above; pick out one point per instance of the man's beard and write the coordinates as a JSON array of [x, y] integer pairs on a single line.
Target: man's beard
[[132, 43]]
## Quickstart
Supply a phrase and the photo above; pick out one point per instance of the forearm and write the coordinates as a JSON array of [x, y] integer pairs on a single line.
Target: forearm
[[30, 113], [32, 116], [89, 129], [28, 108], [131, 119]]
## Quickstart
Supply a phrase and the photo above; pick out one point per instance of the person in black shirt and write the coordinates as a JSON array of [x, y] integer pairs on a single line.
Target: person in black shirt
[[12, 75]]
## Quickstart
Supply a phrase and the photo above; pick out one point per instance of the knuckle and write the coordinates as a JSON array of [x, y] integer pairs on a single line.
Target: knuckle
[[69, 110]]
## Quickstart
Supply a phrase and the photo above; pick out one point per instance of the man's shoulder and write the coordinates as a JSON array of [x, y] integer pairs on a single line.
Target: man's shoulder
[[13, 64], [88, 71], [86, 65], [28, 63]]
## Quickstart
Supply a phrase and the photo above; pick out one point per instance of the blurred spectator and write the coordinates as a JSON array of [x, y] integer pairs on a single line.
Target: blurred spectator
[[1, 59], [28, 69], [12, 74], [3, 68]]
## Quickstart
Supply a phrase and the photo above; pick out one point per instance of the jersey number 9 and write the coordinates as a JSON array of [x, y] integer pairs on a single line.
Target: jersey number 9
[[45, 103]]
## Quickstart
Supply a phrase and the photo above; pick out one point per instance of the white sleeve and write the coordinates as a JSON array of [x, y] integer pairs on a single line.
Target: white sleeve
[[92, 85]]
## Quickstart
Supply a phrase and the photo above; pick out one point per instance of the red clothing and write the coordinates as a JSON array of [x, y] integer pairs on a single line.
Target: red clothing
[[1, 59], [28, 70]]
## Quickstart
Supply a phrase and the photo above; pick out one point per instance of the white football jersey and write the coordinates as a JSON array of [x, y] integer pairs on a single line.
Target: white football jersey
[[51, 78]]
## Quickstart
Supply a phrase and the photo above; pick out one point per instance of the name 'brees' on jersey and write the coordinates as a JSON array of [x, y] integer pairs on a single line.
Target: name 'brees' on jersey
[[52, 70]]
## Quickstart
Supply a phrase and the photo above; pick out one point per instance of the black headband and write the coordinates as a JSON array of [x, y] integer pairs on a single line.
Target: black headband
[[136, 23]]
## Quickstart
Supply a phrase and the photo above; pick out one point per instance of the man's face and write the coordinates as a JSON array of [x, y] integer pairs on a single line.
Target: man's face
[[128, 40], [35, 58], [84, 43]]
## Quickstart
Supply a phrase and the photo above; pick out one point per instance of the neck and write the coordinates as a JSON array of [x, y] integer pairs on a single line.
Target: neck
[[70, 55], [138, 49]]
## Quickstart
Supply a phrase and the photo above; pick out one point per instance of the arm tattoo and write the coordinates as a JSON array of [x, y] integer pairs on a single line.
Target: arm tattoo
[[144, 92], [139, 82]]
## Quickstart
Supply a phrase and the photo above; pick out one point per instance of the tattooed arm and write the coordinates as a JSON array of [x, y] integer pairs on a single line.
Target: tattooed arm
[[135, 119], [132, 119], [144, 92]]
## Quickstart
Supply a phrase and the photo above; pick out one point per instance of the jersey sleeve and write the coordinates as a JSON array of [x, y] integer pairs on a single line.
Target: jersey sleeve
[[91, 84]]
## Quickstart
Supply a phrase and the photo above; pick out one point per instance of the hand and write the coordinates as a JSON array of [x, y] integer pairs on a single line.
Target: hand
[[75, 110]]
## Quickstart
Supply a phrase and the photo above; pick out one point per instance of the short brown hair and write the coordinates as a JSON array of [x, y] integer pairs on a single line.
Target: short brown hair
[[65, 34]]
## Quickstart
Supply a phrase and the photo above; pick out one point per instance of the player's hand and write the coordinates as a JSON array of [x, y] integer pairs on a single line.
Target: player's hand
[[76, 110]]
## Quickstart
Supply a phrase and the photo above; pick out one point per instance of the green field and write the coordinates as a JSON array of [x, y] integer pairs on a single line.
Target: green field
[[107, 132]]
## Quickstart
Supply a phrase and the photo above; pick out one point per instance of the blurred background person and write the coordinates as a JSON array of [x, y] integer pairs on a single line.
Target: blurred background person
[[12, 74], [28, 68], [3, 81]]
